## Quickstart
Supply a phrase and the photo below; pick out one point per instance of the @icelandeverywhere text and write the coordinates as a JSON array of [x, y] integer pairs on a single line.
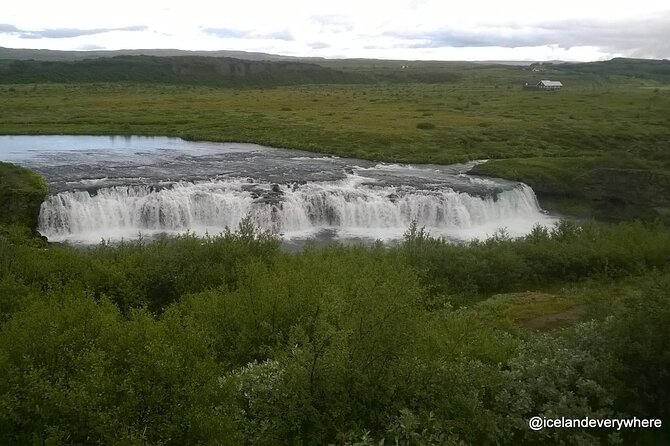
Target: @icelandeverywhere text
[[539, 423]]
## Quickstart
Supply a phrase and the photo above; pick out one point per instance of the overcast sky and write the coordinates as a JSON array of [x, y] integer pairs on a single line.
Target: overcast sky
[[390, 29]]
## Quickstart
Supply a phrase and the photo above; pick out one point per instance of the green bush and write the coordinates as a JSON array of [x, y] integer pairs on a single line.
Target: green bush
[[21, 195], [425, 126], [565, 252], [75, 371], [229, 340]]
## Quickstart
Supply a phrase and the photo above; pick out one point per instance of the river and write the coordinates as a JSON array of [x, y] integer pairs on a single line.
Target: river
[[114, 187]]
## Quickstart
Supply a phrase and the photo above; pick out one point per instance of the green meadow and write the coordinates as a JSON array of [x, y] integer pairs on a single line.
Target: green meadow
[[369, 121]]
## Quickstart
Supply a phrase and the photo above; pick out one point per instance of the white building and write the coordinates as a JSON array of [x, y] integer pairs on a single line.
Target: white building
[[549, 85]]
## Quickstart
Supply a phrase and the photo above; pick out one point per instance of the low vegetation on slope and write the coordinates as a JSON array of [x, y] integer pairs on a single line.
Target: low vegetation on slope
[[21, 193], [228, 340], [606, 188]]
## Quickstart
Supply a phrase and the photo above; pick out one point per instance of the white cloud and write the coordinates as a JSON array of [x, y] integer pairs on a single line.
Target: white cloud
[[399, 29]]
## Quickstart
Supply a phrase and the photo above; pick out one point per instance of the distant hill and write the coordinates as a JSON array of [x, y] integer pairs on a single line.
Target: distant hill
[[193, 70], [62, 56], [658, 70], [237, 68], [222, 71]]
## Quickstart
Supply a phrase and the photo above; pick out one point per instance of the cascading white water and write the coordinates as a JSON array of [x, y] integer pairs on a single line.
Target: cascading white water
[[354, 206]]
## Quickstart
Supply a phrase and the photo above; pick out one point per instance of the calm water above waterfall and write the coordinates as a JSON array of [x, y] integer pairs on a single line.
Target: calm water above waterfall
[[118, 187]]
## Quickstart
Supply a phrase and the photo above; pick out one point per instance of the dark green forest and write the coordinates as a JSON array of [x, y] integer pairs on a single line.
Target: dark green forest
[[191, 70]]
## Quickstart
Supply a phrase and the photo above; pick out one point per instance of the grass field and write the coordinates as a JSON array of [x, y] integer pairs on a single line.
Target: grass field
[[366, 121]]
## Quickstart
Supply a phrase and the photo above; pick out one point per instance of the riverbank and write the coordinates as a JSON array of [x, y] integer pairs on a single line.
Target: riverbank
[[21, 194], [599, 188]]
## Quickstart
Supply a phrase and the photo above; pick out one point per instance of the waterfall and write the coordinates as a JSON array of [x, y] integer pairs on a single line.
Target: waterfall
[[352, 206]]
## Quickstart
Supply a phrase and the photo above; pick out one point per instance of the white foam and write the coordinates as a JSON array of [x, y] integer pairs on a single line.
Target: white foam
[[352, 208]]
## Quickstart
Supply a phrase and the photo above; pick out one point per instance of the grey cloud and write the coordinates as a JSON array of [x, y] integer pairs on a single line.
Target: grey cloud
[[228, 33], [472, 38], [62, 33], [91, 47], [634, 37], [8, 29], [318, 45], [279, 35], [659, 51], [333, 23]]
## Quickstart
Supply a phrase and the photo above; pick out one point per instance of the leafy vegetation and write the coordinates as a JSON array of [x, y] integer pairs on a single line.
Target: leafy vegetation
[[425, 125], [227, 339], [21, 193]]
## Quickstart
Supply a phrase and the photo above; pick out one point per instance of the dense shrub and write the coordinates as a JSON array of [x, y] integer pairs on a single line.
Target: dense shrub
[[228, 340], [21, 194], [425, 126], [567, 252], [77, 372]]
